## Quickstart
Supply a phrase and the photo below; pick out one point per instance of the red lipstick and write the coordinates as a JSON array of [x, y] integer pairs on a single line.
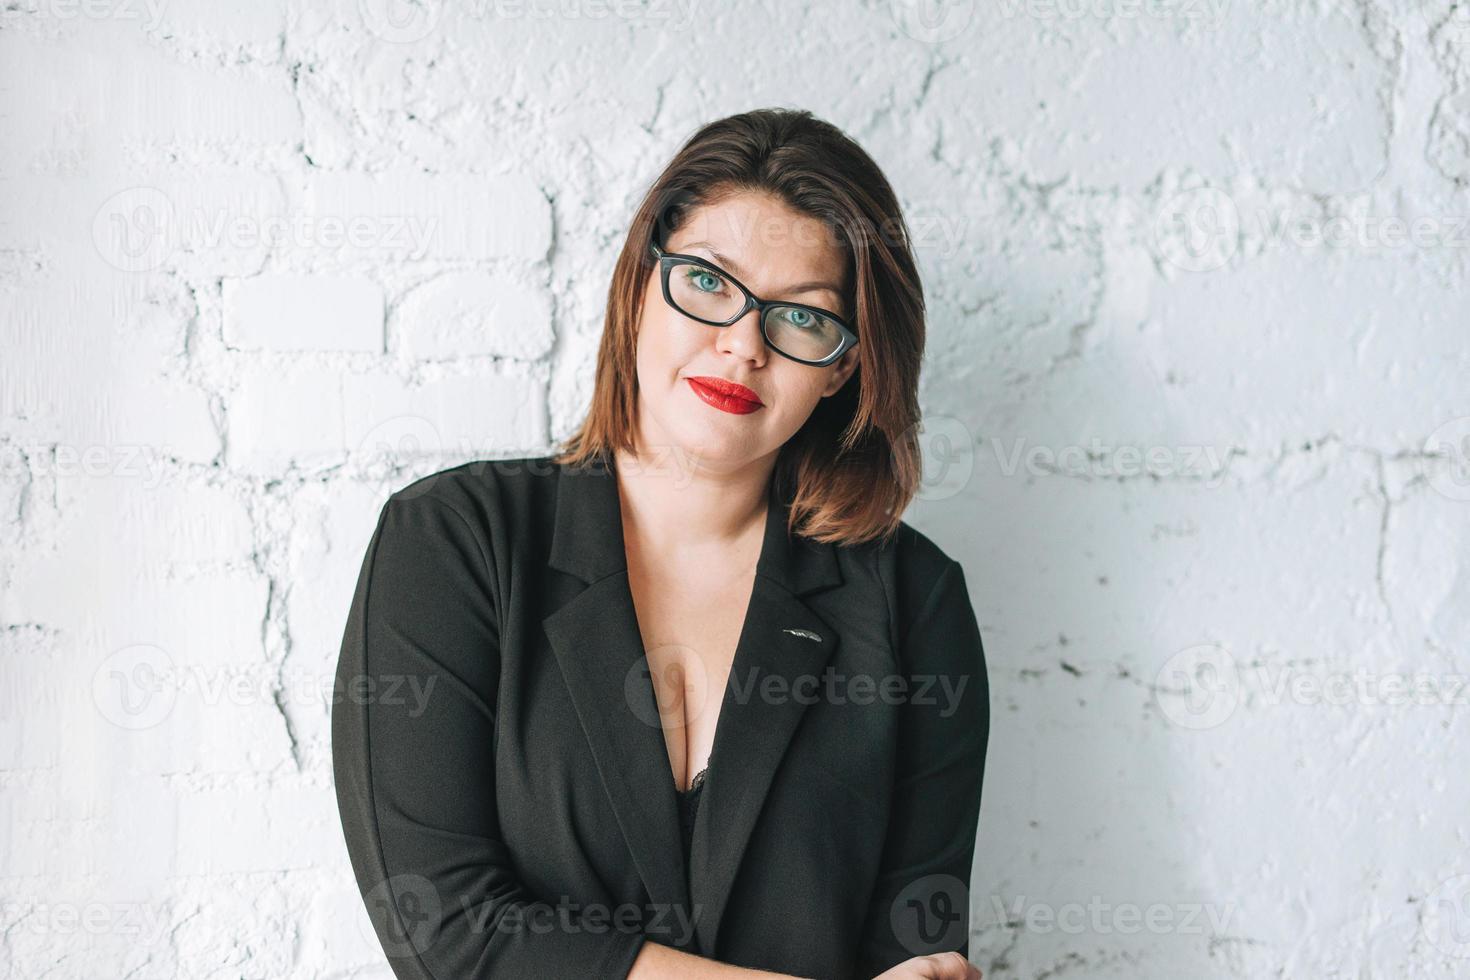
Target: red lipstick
[[727, 396]]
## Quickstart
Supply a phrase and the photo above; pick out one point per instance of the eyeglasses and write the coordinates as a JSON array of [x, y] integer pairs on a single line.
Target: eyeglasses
[[703, 291]]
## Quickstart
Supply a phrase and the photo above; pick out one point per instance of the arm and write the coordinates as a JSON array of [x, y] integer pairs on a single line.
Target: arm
[[921, 899], [413, 725], [658, 962]]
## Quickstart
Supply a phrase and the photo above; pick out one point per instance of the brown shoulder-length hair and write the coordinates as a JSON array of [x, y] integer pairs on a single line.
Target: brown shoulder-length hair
[[853, 467]]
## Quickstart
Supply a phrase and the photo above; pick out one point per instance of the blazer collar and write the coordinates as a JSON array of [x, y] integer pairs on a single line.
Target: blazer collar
[[598, 645]]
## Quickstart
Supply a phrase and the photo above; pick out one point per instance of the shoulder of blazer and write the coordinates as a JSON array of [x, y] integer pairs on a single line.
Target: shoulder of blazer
[[482, 488], [908, 566], [494, 497]]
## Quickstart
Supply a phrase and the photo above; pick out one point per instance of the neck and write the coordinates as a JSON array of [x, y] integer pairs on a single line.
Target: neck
[[672, 504]]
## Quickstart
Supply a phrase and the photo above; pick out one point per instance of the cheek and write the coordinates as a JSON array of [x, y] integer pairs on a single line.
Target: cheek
[[664, 346], [801, 390], [668, 341]]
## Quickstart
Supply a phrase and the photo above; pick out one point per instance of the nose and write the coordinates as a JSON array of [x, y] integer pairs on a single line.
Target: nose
[[743, 338]]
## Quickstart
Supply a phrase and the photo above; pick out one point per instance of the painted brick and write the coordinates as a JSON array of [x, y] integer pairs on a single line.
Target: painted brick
[[281, 312], [466, 313]]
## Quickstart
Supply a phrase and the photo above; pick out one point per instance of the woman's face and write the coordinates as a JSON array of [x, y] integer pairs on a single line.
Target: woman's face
[[777, 253]]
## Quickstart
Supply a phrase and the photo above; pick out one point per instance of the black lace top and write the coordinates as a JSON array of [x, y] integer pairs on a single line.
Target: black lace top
[[688, 807]]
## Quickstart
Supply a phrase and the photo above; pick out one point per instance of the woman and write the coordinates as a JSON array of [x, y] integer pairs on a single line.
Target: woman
[[687, 699]]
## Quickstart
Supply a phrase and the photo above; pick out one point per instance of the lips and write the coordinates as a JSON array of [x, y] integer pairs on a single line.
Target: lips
[[727, 396]]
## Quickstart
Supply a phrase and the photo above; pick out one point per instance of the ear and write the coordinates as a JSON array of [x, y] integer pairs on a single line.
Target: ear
[[841, 371]]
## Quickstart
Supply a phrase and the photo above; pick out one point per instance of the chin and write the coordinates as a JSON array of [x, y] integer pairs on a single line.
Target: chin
[[710, 443]]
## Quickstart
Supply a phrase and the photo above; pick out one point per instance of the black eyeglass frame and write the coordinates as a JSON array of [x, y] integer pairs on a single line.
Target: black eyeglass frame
[[667, 260]]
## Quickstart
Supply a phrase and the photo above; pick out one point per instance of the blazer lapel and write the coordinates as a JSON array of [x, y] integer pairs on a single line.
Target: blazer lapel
[[598, 645], [751, 737]]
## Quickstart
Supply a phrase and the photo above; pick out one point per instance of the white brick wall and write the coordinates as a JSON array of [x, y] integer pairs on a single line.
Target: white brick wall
[[303, 312], [1197, 429]]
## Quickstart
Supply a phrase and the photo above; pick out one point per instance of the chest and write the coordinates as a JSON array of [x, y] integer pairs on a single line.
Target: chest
[[690, 622]]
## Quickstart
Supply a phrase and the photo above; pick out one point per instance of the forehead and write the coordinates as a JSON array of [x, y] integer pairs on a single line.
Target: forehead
[[765, 239]]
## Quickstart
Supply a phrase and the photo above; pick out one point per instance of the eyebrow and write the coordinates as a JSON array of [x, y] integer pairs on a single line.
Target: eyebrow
[[733, 266]]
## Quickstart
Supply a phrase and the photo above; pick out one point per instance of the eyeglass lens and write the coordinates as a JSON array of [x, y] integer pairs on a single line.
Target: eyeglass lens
[[703, 293]]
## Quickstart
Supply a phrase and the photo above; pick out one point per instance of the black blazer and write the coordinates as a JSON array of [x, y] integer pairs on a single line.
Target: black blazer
[[506, 793]]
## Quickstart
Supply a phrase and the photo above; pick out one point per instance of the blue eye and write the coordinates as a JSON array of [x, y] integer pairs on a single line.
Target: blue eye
[[801, 319], [704, 280]]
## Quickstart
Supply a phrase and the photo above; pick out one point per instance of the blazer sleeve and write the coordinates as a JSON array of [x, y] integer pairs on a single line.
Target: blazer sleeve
[[921, 900], [413, 735]]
